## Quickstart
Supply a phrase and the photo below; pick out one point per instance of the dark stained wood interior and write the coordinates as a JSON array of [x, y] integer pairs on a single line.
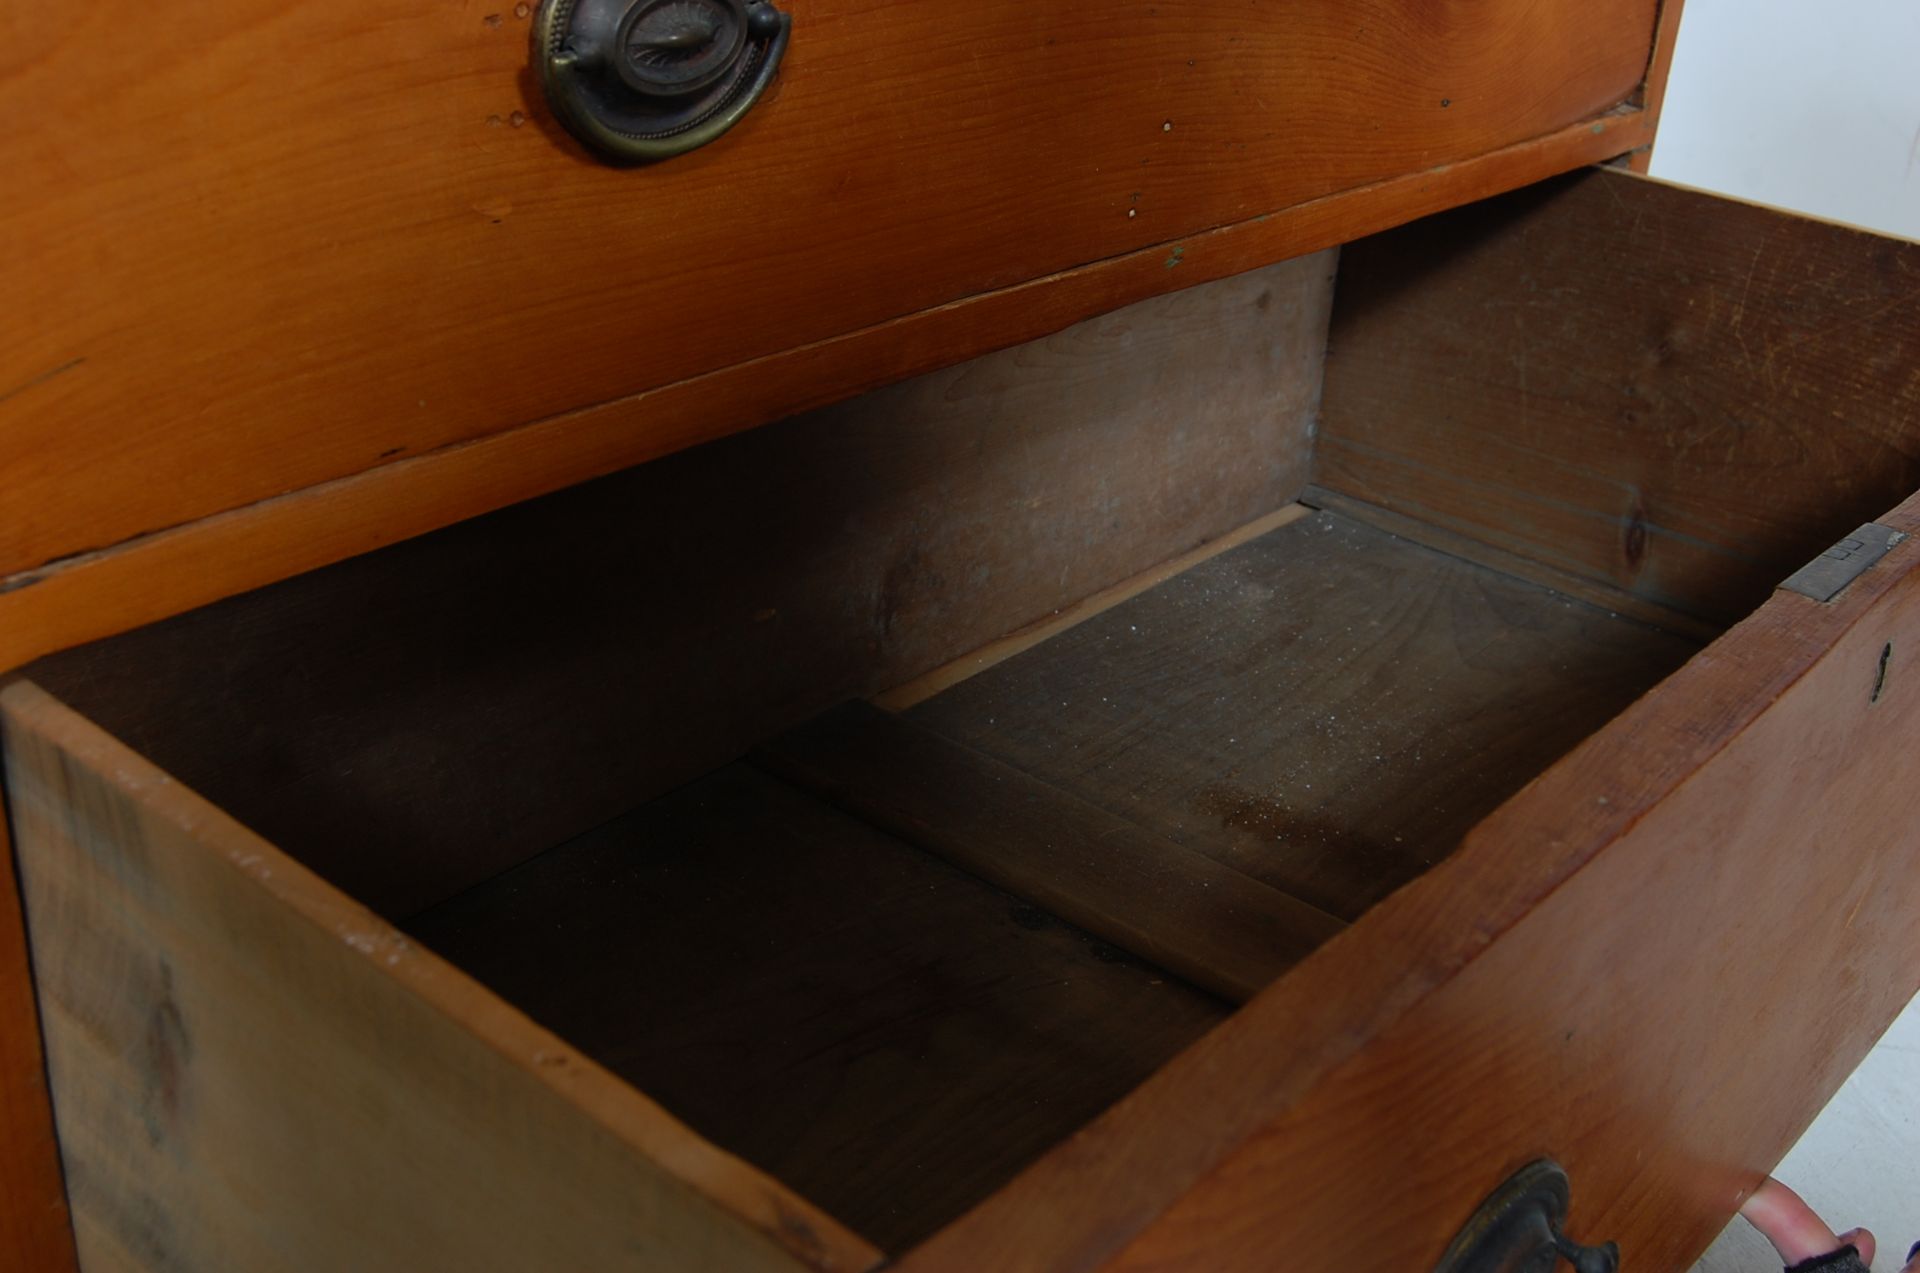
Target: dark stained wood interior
[[887, 1034], [1218, 928], [1656, 963], [1328, 708], [1674, 394], [413, 721], [1317, 714]]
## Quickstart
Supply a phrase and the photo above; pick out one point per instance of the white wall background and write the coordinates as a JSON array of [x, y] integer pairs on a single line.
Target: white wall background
[[1812, 105]]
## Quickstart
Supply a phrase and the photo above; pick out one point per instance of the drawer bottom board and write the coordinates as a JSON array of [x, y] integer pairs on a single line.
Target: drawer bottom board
[[1257, 749]]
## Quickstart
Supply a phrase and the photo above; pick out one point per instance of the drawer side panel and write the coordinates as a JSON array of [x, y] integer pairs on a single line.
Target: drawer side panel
[[251, 1072]]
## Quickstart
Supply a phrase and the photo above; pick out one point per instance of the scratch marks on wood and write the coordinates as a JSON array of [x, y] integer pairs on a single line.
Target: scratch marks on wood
[[1761, 250], [34, 382]]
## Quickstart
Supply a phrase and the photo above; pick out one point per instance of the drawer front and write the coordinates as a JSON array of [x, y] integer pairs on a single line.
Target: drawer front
[[260, 246], [251, 1071]]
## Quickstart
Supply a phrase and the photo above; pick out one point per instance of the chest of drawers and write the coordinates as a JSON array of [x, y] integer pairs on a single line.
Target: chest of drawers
[[1206, 731]]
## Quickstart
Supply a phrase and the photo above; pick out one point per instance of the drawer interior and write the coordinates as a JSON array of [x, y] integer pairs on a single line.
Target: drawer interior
[[890, 791], [866, 956], [889, 1035], [1327, 708]]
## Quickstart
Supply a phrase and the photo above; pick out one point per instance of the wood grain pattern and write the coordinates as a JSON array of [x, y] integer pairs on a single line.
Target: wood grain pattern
[[1480, 553], [1219, 929], [1679, 395], [1652, 963], [1327, 708], [240, 283], [885, 1033], [253, 1072], [411, 722], [35, 1231], [114, 589], [973, 662]]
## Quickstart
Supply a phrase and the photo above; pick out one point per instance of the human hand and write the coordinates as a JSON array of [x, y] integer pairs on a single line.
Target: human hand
[[1799, 1235]]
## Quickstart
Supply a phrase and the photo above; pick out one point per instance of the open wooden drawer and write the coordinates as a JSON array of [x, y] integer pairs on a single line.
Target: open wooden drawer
[[1213, 788]]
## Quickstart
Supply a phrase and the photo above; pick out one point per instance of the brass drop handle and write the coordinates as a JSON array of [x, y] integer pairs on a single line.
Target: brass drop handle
[[1517, 1230], [637, 81]]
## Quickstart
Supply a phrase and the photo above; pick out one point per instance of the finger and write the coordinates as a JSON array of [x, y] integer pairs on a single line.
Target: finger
[[1860, 1240], [1789, 1223], [1913, 1260]]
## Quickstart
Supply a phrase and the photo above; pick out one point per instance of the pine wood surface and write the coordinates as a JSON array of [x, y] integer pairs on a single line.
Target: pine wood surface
[[242, 224], [882, 1032], [1680, 396], [1214, 926], [921, 688], [264, 247], [254, 1072], [1655, 963], [1653, 93], [413, 721], [1579, 587], [1327, 709], [103, 588]]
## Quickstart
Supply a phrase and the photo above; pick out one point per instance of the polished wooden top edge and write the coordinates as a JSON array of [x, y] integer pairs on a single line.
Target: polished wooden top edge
[[730, 1184], [140, 581]]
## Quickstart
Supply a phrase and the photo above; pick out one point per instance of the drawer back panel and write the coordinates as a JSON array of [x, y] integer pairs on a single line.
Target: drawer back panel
[[415, 720], [1674, 395]]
